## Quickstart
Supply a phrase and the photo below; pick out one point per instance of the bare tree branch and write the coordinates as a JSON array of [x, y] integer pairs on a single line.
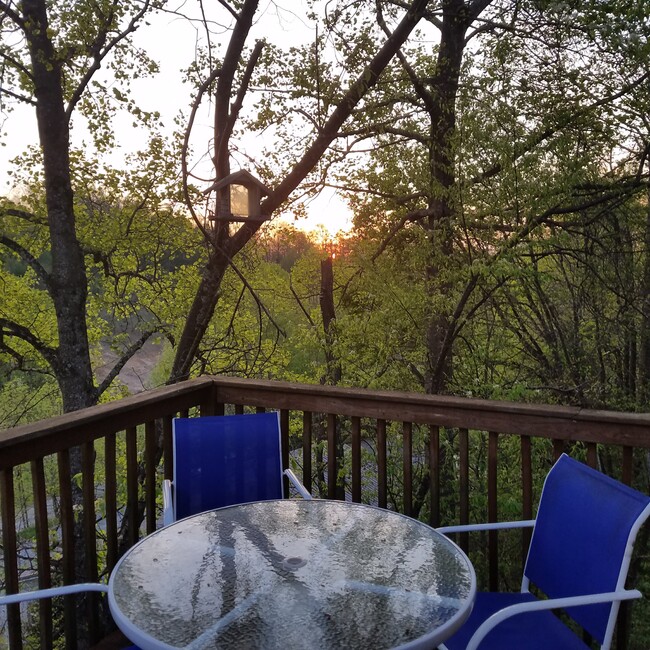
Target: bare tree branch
[[121, 362], [12, 329], [21, 98], [205, 86], [29, 259], [366, 81], [12, 15], [101, 50]]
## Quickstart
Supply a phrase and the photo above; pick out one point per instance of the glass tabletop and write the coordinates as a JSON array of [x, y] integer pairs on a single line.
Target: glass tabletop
[[292, 574]]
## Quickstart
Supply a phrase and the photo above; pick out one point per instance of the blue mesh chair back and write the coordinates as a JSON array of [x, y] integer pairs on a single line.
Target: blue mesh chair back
[[582, 538], [225, 460]]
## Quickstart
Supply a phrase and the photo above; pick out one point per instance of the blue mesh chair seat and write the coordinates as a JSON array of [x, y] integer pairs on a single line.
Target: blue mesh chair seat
[[224, 460], [579, 557]]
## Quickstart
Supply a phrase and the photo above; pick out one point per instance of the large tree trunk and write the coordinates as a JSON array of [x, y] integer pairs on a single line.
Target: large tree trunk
[[68, 284], [68, 274], [443, 180]]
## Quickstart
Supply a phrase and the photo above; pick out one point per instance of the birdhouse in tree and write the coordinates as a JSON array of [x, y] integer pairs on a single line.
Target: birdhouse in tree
[[239, 196]]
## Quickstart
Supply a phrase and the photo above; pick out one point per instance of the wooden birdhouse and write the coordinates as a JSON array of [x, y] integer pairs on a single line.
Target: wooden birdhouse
[[239, 196]]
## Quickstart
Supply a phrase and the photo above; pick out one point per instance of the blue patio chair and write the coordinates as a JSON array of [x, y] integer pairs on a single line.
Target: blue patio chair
[[579, 556], [224, 460]]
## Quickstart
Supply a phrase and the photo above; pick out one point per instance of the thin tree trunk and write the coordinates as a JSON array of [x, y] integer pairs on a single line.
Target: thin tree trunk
[[328, 312], [643, 383]]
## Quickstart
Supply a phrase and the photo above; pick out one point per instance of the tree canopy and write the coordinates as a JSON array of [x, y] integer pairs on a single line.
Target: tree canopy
[[494, 156]]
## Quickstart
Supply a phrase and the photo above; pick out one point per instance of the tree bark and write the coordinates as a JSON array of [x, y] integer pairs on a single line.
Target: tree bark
[[328, 312], [442, 203], [68, 274], [68, 283]]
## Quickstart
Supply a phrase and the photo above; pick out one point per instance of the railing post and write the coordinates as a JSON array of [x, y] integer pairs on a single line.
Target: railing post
[[493, 537], [306, 450], [463, 451], [407, 466], [10, 551], [382, 473], [356, 459], [334, 490], [209, 405], [434, 475], [42, 550]]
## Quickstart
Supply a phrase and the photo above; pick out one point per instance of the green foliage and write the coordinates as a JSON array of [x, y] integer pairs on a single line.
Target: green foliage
[[140, 254]]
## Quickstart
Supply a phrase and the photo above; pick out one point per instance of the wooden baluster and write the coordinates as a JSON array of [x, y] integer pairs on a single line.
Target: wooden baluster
[[356, 459], [493, 537], [592, 454], [284, 446], [132, 483], [150, 475], [407, 466], [168, 448], [526, 494], [434, 475], [307, 431], [90, 534], [463, 442], [382, 474], [110, 499], [628, 465], [10, 552], [332, 464], [42, 551], [67, 546]]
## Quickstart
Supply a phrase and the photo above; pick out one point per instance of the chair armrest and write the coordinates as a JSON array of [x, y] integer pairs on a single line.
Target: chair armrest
[[168, 503], [497, 525], [54, 591], [551, 603], [295, 481]]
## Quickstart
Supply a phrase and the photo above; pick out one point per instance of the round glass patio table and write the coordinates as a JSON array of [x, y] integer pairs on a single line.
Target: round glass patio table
[[293, 574]]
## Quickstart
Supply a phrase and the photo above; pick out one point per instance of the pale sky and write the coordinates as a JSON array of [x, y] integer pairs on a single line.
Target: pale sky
[[171, 41]]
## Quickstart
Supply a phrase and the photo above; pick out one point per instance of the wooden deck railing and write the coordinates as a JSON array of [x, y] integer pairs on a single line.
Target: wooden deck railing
[[87, 484]]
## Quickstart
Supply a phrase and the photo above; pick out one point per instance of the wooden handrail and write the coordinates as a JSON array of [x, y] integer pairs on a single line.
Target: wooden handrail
[[545, 421], [22, 443], [539, 420]]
